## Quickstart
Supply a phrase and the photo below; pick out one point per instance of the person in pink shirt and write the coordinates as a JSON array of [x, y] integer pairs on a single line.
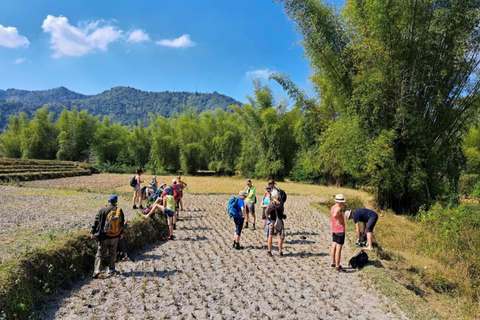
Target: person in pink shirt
[[338, 232]]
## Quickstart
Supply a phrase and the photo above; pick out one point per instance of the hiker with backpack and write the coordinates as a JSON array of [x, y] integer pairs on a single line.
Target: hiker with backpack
[[250, 202], [167, 206], [338, 232], [177, 196], [236, 210], [275, 215], [137, 190], [182, 185], [265, 202], [107, 230], [368, 218]]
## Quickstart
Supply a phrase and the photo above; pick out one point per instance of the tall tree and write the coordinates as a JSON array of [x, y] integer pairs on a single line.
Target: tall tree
[[406, 70]]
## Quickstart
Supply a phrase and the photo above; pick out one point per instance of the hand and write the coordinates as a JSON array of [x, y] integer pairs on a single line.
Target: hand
[[121, 236], [91, 236]]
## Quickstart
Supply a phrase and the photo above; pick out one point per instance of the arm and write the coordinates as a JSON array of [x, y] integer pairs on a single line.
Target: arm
[[95, 224], [122, 223], [336, 214], [357, 227]]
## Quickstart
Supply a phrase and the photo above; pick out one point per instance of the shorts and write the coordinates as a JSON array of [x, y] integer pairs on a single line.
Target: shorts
[[271, 228], [339, 238], [136, 188], [169, 212], [250, 207], [238, 225], [372, 221]]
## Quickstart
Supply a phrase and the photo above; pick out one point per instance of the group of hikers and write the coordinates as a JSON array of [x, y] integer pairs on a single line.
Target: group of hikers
[[110, 221]]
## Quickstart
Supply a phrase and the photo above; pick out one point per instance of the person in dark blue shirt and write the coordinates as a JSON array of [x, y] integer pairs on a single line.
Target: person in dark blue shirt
[[242, 195], [368, 218]]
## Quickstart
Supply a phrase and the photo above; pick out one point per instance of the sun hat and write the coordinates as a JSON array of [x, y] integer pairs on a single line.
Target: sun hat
[[242, 193], [154, 177], [113, 198], [249, 181], [174, 180], [339, 198], [348, 214], [163, 184]]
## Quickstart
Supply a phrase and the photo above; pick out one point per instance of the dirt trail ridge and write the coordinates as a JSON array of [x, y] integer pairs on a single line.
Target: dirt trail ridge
[[200, 276]]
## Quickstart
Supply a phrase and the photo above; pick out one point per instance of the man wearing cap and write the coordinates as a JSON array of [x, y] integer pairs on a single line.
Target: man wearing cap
[[250, 202], [338, 232], [369, 220], [240, 209], [107, 229]]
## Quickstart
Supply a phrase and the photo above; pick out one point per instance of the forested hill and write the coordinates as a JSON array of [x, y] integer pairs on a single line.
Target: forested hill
[[124, 104]]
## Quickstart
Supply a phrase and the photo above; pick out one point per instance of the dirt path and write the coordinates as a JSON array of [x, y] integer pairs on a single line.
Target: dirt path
[[200, 275]]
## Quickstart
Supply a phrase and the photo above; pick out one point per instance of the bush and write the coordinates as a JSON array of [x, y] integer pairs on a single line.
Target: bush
[[467, 183], [453, 235]]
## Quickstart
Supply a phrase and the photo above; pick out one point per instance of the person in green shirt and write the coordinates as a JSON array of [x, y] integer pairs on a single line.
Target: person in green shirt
[[250, 203]]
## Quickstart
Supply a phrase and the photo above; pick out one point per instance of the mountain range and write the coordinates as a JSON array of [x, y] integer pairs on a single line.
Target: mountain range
[[124, 104]]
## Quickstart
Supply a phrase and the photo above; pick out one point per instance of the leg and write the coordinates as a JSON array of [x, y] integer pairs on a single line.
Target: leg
[[134, 196], [112, 247], [181, 204], [170, 225], [338, 254], [280, 243], [98, 257], [332, 252], [369, 240], [139, 195]]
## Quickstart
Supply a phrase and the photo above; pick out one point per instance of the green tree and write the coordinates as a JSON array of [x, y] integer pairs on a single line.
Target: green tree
[[10, 141], [77, 132], [39, 137], [164, 152], [139, 144], [110, 141], [403, 67]]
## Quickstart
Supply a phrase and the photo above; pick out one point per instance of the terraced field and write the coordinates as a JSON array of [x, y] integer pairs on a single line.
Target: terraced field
[[26, 170]]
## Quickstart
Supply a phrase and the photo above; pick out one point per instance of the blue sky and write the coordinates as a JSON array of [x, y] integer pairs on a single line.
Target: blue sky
[[177, 45]]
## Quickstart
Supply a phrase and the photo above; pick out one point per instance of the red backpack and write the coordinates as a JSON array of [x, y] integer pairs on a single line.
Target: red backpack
[[176, 191]]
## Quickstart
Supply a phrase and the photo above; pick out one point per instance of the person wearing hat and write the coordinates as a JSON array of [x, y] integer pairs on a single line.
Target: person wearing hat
[[338, 232], [368, 218], [250, 202], [240, 209], [274, 210], [271, 184], [177, 196], [107, 229], [182, 185]]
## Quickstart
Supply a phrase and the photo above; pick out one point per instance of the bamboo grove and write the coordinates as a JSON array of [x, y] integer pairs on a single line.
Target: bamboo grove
[[395, 93]]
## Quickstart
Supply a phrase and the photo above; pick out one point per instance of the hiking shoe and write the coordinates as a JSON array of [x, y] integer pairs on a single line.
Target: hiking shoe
[[174, 226], [134, 207], [172, 237], [332, 265], [128, 258], [269, 253], [246, 225], [140, 207], [238, 246], [234, 244], [254, 226], [281, 253], [340, 269], [96, 274], [113, 271]]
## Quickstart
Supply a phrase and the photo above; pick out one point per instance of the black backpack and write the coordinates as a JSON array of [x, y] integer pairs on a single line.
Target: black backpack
[[359, 260], [282, 196], [133, 182]]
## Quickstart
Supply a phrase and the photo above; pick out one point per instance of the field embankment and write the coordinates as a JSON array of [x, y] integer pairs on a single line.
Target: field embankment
[[13, 170]]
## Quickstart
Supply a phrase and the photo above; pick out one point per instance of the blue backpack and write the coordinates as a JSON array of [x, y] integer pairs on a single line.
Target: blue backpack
[[232, 208]]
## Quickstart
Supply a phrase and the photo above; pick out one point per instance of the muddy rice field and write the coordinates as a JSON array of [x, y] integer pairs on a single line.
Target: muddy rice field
[[199, 275]]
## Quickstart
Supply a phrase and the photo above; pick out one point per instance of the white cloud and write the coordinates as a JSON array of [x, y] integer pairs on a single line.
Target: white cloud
[[19, 60], [67, 40], [138, 36], [261, 73], [10, 38], [180, 42]]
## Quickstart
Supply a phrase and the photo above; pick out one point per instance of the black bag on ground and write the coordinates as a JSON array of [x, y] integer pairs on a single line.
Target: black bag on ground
[[359, 260]]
